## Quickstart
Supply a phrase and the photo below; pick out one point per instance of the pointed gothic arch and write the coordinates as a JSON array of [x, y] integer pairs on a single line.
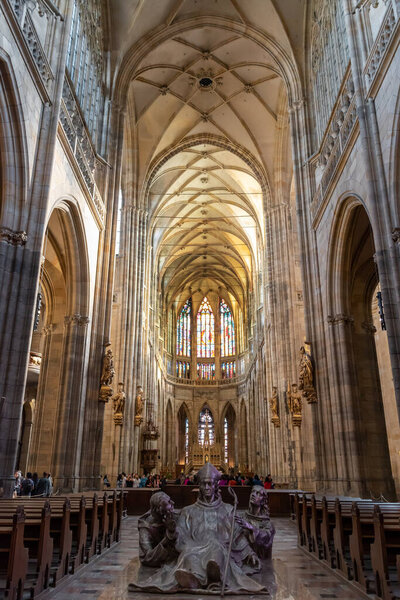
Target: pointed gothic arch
[[352, 280]]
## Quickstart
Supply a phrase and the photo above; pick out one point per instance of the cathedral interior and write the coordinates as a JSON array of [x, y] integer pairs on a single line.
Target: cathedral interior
[[205, 195], [200, 241]]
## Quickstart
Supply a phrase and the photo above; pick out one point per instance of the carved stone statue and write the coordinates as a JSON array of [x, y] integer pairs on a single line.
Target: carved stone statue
[[157, 532], [257, 523], [203, 538], [274, 406], [119, 404], [139, 403], [295, 404], [107, 375], [306, 374], [108, 371]]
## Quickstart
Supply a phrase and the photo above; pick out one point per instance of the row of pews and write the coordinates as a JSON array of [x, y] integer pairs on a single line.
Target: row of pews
[[45, 540], [359, 538]]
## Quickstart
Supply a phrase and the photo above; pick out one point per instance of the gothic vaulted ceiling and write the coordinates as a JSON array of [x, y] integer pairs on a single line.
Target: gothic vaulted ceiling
[[206, 144]]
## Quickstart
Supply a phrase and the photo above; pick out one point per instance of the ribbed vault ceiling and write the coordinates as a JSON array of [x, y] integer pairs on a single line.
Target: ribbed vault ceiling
[[206, 111]]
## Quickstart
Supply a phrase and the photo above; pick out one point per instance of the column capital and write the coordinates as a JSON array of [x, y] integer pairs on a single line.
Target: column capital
[[340, 318], [76, 319], [15, 238]]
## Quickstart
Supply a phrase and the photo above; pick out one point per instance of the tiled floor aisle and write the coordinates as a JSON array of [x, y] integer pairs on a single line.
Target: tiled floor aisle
[[297, 577]]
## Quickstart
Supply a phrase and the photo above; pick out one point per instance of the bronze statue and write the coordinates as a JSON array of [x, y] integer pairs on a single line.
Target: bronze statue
[[157, 532], [257, 523], [206, 531]]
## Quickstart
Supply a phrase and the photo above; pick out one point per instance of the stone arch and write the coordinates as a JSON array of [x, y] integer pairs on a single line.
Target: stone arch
[[352, 279], [394, 168], [62, 342], [216, 140], [13, 151]]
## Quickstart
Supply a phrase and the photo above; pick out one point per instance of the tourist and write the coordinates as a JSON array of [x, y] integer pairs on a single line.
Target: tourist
[[106, 482], [268, 483], [43, 487], [27, 485]]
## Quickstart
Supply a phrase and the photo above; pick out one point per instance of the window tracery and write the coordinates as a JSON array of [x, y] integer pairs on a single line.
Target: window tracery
[[206, 371], [205, 331], [183, 369], [186, 440], [228, 369], [226, 440], [227, 330], [85, 61], [206, 428], [329, 52], [183, 335]]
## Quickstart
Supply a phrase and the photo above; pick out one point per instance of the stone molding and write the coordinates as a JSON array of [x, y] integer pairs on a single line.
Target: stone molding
[[48, 329], [380, 46], [15, 238], [340, 318], [396, 235], [76, 319], [32, 41], [368, 327]]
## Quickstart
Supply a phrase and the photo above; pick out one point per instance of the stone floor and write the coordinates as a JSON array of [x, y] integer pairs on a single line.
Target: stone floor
[[294, 575]]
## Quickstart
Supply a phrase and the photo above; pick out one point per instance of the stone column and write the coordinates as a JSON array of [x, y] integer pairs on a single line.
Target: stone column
[[20, 257], [71, 405]]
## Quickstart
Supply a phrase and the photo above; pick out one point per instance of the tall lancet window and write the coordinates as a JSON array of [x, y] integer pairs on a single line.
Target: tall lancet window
[[205, 331], [227, 330], [206, 428], [183, 331]]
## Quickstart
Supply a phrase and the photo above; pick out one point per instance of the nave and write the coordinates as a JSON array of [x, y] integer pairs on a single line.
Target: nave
[[293, 574]]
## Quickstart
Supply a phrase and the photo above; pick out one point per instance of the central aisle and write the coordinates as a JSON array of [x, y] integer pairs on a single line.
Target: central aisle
[[297, 576]]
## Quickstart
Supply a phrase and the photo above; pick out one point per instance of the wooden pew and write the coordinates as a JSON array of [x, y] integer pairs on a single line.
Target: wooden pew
[[40, 546], [385, 551], [13, 555]]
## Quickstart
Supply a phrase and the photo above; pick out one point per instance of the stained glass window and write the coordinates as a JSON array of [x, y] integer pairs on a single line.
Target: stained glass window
[[206, 371], [205, 331], [227, 330], [206, 428], [186, 440], [183, 330], [228, 369], [226, 455], [183, 369]]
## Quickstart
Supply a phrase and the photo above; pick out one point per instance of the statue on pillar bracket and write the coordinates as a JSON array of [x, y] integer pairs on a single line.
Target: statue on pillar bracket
[[107, 375], [119, 404], [306, 374], [139, 404], [295, 404], [274, 406]]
